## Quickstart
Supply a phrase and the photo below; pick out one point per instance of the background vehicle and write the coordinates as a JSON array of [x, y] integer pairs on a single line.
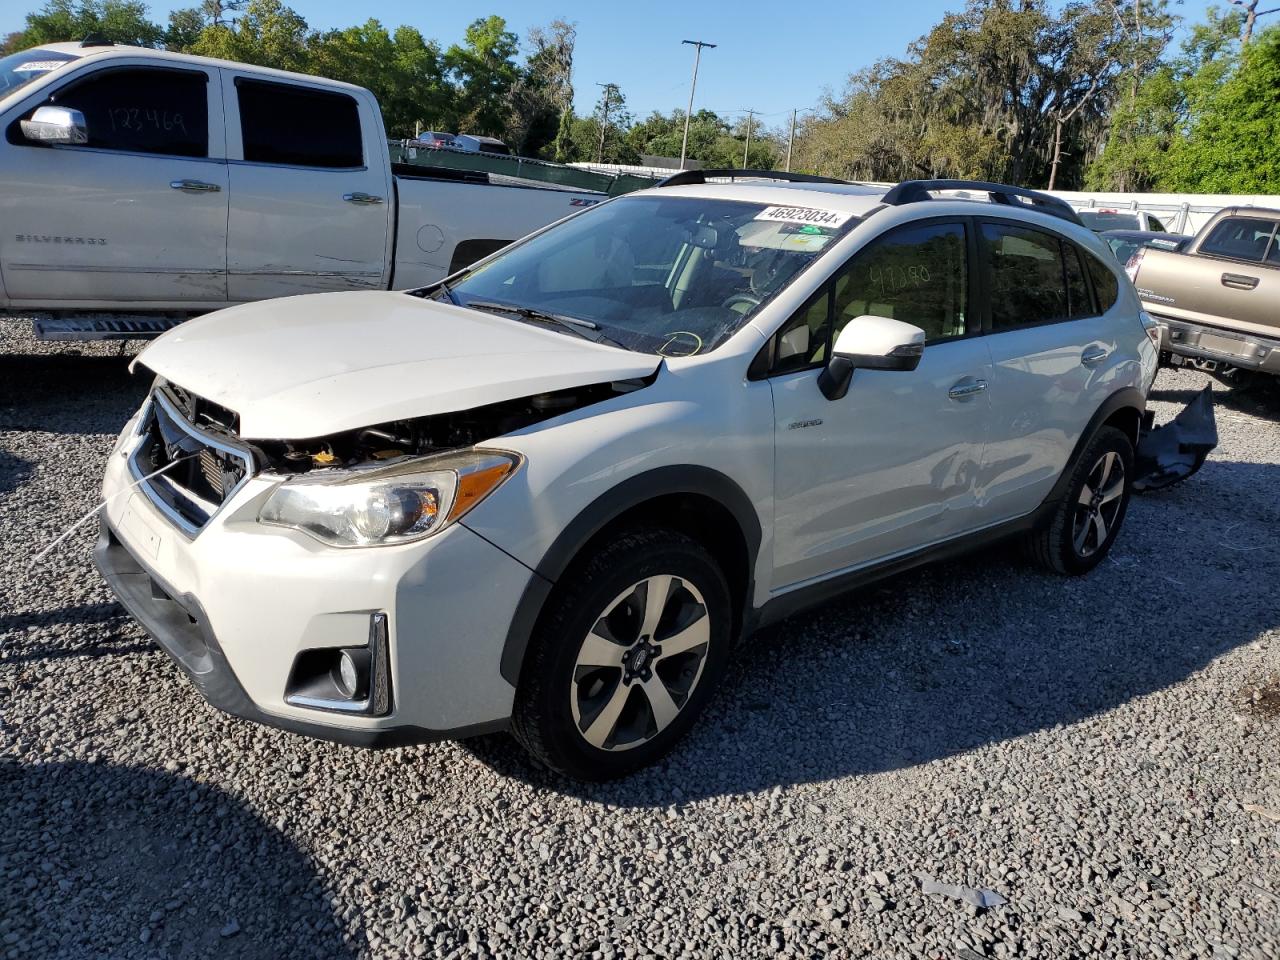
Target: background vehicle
[[1103, 219], [477, 144], [1124, 243], [431, 138], [139, 187], [551, 494], [1219, 298]]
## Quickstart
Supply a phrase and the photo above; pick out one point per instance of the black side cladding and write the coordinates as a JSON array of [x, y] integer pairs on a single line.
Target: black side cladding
[[1177, 449]]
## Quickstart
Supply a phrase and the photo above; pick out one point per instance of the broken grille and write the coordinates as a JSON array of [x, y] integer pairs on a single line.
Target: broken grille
[[199, 472]]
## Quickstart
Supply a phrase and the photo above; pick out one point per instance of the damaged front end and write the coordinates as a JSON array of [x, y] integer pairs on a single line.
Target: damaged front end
[[384, 484], [1174, 451]]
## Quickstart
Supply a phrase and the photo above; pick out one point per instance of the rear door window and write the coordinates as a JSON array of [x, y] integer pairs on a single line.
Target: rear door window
[[143, 110], [1026, 280], [297, 126]]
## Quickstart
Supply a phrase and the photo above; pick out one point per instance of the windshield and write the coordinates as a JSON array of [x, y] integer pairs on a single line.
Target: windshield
[[1098, 220], [669, 275], [19, 69]]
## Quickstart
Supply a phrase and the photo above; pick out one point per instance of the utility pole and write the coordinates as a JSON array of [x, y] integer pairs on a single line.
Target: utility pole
[[604, 123], [791, 139], [697, 57], [751, 115]]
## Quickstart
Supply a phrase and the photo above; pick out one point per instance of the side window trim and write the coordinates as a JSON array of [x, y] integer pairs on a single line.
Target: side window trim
[[237, 79], [758, 370], [214, 145]]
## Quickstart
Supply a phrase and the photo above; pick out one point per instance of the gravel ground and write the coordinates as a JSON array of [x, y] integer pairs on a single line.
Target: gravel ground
[[1102, 753]]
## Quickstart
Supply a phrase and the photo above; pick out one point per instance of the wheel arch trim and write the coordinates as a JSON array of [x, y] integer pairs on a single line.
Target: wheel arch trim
[[631, 493], [1126, 398]]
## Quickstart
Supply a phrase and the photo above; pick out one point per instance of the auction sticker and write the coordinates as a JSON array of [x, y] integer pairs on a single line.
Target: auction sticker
[[810, 215]]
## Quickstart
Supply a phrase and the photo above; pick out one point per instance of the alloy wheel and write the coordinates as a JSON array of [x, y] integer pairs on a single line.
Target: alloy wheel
[[1098, 505], [638, 665]]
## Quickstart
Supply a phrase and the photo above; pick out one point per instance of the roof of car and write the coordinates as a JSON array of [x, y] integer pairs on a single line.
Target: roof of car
[[856, 198], [117, 50]]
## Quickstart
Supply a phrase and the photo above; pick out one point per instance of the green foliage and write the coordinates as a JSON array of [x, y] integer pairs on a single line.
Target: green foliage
[[1234, 131], [1000, 91], [711, 140], [120, 21]]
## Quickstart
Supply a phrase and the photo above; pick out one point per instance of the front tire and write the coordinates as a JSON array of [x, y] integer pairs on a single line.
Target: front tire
[[1086, 521], [628, 650]]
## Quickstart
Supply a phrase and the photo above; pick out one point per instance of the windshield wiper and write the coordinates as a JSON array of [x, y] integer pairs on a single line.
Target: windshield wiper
[[576, 325], [443, 287]]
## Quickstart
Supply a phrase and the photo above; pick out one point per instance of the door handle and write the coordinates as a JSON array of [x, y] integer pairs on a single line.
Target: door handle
[[1239, 281], [966, 388], [361, 198], [194, 186], [1094, 355]]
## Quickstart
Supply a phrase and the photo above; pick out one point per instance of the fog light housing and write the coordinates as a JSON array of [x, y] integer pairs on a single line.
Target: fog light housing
[[345, 679], [353, 673]]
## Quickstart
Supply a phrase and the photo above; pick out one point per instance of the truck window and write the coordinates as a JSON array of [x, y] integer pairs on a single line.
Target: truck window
[[281, 123], [1240, 238], [1157, 224], [142, 110]]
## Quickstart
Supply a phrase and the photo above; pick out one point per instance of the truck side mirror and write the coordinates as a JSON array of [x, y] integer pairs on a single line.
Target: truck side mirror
[[872, 343], [56, 125]]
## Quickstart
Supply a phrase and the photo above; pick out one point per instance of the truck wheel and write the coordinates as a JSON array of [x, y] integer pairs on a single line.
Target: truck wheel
[[628, 650], [1085, 522]]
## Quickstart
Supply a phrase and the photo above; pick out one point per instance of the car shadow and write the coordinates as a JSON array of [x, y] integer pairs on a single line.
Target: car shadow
[[113, 861], [950, 658], [1259, 397], [14, 471], [69, 394]]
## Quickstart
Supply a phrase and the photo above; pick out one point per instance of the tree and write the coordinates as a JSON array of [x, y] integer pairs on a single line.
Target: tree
[[1231, 145], [540, 102], [268, 34], [1004, 90], [1145, 148], [482, 72], [119, 21]]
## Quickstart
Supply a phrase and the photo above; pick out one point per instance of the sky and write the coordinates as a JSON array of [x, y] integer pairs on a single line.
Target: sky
[[767, 58]]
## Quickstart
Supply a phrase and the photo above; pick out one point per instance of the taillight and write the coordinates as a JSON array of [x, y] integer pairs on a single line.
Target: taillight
[[1152, 326], [1135, 261]]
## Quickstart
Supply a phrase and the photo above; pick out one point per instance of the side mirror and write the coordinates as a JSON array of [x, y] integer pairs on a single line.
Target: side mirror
[[55, 125], [872, 343]]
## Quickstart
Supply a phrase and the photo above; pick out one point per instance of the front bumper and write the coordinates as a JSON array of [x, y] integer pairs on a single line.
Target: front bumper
[[238, 602], [1249, 351]]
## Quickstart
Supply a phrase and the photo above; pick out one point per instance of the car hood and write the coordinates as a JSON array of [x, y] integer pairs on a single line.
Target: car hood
[[309, 366]]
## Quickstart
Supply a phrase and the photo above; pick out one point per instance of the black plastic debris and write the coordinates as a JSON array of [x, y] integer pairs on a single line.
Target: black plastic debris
[[1177, 449]]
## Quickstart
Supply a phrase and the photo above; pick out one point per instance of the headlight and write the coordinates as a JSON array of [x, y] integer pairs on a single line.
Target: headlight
[[406, 501]]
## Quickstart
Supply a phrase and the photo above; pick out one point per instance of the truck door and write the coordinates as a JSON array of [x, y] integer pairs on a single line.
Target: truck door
[[311, 191], [1237, 275], [136, 215]]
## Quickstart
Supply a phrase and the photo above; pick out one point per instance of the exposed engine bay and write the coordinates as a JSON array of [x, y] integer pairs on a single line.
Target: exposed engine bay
[[400, 438]]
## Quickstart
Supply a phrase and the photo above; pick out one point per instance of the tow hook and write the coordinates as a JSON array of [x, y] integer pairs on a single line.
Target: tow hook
[[1174, 451]]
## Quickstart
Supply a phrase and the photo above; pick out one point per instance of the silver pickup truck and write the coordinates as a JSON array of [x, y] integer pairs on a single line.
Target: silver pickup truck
[[139, 188], [1218, 298]]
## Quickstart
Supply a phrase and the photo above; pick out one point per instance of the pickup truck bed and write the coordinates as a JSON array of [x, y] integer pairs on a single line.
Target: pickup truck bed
[[139, 188], [1219, 298]]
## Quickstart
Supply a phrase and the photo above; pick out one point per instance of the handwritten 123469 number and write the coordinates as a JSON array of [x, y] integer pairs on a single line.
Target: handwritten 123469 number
[[139, 119]]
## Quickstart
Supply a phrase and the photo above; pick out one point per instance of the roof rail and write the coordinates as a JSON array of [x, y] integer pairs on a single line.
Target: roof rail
[[913, 191], [700, 176]]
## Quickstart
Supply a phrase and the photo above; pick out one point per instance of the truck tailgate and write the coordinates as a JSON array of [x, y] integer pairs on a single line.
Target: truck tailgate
[[1202, 289]]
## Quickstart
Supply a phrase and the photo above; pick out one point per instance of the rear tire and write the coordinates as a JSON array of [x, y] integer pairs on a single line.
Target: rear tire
[[631, 645], [1085, 522]]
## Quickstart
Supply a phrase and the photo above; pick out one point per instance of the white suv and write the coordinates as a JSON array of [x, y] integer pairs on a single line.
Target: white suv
[[552, 494]]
